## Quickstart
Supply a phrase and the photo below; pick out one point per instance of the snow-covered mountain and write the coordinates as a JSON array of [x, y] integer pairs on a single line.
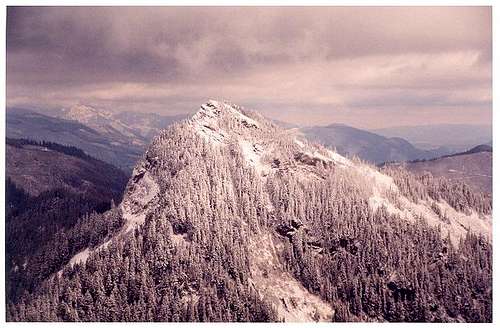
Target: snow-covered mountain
[[133, 127], [230, 173], [147, 125], [104, 122]]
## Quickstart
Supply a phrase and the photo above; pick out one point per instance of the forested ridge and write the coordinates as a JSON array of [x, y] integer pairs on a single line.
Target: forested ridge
[[191, 259], [68, 150], [44, 230], [377, 266]]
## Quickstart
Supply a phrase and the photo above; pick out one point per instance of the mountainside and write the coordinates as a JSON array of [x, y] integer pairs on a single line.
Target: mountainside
[[30, 125], [228, 217], [40, 166], [369, 146], [455, 137], [474, 167], [52, 192]]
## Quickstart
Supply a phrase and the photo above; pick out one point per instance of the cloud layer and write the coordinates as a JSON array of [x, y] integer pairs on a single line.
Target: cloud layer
[[364, 66]]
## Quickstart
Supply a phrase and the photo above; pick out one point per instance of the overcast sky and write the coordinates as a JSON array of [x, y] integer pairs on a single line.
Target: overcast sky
[[369, 67]]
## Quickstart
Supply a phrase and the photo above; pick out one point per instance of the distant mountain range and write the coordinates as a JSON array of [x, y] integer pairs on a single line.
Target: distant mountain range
[[147, 124], [107, 147], [139, 128], [366, 145], [119, 139], [455, 137]]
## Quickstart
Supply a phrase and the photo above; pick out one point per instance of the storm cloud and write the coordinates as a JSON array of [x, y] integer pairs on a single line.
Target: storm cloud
[[364, 66]]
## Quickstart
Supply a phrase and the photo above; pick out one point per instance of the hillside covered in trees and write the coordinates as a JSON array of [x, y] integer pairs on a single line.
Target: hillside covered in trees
[[228, 217], [54, 195]]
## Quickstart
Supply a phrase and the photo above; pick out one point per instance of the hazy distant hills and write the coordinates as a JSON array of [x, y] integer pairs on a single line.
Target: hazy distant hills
[[367, 145], [135, 127], [147, 124], [473, 167], [457, 137], [119, 139], [36, 126]]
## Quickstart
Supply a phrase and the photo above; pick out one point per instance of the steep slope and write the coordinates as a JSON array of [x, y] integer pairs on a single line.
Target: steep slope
[[368, 146], [228, 208], [37, 167], [51, 192], [30, 125], [456, 137], [473, 167]]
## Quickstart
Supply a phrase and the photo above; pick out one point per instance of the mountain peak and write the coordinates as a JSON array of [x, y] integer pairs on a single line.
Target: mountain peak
[[215, 109], [216, 120], [247, 140], [85, 114]]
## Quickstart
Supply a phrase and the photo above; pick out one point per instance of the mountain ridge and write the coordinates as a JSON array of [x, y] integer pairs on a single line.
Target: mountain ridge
[[367, 145], [456, 137]]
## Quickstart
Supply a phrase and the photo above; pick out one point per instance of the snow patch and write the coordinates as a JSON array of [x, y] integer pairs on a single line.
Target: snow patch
[[460, 222], [243, 118], [330, 156], [293, 302], [380, 184], [322, 157], [252, 152], [377, 201], [339, 159], [453, 222], [143, 191], [132, 220], [299, 143], [211, 134], [179, 240], [80, 257], [205, 124], [380, 180]]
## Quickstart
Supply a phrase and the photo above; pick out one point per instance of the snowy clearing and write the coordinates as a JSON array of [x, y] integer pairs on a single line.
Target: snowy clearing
[[80, 257], [294, 303], [253, 156]]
